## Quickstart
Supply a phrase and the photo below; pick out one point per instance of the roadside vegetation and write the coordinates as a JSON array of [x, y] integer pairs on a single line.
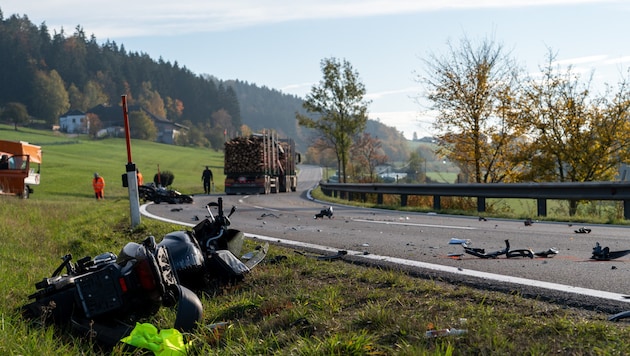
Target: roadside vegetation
[[290, 304]]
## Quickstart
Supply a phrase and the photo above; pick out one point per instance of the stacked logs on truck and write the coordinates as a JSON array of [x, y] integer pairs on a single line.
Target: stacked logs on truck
[[245, 155]]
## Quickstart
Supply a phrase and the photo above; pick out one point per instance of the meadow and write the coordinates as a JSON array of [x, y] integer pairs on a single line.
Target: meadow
[[288, 305], [69, 163]]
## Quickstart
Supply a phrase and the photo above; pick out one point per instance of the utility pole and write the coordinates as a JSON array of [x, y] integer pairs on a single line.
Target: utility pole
[[130, 169]]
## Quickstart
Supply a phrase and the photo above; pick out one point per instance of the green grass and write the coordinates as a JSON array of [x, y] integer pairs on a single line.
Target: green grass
[[292, 305], [69, 163], [286, 306]]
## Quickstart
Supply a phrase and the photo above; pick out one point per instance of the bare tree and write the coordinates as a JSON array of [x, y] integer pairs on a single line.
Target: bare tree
[[367, 153]]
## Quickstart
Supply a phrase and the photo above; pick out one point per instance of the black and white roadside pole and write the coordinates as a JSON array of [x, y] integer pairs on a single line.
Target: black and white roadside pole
[[130, 169]]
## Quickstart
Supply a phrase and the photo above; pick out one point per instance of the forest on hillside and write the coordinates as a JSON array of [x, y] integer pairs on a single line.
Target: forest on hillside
[[45, 75]]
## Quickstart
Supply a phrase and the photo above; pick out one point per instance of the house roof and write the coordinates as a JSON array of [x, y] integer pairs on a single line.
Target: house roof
[[113, 114], [73, 112]]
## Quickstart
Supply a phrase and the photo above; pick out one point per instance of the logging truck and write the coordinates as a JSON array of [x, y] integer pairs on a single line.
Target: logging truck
[[19, 167], [260, 164]]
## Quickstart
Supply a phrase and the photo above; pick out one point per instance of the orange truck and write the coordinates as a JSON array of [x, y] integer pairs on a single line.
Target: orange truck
[[20, 164]]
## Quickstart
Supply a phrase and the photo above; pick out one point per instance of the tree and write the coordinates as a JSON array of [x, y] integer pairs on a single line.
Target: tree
[[141, 126], [50, 98], [93, 95], [151, 100], [94, 124], [367, 153], [339, 103], [174, 109], [473, 90], [576, 136], [16, 113], [416, 168]]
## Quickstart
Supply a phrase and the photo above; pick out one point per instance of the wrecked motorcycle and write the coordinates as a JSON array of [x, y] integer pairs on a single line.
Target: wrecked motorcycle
[[206, 256], [159, 194], [103, 297], [328, 212]]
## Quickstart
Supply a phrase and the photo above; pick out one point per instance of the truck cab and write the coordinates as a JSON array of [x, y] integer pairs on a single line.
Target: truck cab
[[20, 164]]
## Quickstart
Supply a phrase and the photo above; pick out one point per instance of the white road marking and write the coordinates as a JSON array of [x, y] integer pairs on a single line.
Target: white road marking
[[414, 224], [430, 266]]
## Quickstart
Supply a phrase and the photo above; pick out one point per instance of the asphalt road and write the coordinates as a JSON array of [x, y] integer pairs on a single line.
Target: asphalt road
[[419, 241]]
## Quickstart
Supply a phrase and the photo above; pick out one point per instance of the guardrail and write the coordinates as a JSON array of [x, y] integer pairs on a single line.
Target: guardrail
[[541, 192]]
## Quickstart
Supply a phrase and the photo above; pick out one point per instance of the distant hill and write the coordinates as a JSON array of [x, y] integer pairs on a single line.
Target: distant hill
[[50, 75], [263, 107]]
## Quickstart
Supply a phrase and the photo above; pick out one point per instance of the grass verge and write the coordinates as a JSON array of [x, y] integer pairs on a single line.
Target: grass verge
[[290, 304]]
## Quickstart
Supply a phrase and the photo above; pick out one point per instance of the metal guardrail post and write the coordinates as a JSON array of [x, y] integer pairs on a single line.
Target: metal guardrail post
[[481, 204], [542, 207], [403, 200], [436, 202]]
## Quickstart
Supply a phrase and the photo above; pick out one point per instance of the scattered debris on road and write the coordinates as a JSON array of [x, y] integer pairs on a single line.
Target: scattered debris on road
[[604, 254]]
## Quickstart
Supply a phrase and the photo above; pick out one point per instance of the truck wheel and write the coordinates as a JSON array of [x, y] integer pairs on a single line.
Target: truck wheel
[[26, 192]]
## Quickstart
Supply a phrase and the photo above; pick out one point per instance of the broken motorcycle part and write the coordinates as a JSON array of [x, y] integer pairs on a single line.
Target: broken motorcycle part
[[328, 212], [549, 253], [509, 253], [604, 254], [338, 255], [205, 257]]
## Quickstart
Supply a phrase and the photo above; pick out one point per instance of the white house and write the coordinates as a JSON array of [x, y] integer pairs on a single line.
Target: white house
[[74, 121]]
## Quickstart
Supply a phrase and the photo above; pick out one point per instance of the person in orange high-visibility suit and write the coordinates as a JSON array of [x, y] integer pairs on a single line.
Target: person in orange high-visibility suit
[[140, 178], [98, 183]]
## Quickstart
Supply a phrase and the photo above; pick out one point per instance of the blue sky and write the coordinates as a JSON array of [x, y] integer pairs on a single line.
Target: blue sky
[[279, 44]]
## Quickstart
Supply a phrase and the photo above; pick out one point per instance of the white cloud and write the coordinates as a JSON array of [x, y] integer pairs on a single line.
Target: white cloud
[[298, 89], [121, 19], [381, 94], [406, 121], [582, 60]]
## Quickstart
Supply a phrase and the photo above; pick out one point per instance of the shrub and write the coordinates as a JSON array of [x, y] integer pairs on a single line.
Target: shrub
[[164, 178]]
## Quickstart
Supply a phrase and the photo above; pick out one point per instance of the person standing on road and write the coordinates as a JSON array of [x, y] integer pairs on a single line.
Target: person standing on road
[[98, 183], [207, 179]]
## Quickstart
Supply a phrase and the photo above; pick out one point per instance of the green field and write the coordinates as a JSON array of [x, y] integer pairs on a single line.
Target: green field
[[69, 163]]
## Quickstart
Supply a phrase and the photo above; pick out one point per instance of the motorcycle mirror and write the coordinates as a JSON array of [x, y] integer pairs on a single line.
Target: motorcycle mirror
[[232, 211], [210, 216]]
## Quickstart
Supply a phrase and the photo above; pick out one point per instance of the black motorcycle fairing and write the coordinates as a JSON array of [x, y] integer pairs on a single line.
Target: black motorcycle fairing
[[189, 310], [226, 267], [187, 259], [184, 251], [235, 239]]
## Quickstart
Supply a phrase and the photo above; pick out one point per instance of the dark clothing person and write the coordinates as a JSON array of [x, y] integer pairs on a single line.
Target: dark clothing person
[[207, 179], [4, 162]]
